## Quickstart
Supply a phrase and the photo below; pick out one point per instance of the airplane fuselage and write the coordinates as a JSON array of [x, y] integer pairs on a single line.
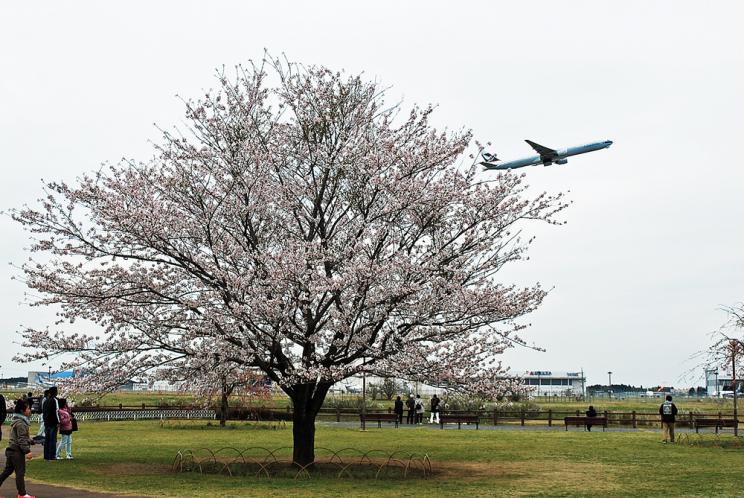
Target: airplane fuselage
[[560, 156]]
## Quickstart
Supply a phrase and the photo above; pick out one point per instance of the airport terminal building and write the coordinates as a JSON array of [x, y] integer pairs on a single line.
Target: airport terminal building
[[554, 383]]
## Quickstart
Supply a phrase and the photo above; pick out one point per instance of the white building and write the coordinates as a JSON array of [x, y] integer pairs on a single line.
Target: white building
[[554, 383], [720, 383]]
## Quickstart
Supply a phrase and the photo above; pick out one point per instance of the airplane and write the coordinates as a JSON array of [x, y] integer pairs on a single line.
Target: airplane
[[547, 155]]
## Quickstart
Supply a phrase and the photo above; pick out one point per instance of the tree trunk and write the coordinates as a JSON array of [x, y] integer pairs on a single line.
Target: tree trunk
[[223, 409], [224, 406], [307, 400]]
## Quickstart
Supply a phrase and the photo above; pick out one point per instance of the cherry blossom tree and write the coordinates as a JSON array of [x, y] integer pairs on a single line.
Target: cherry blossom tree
[[299, 225]]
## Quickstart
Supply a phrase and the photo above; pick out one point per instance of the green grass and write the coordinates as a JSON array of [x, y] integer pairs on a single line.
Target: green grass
[[135, 457]]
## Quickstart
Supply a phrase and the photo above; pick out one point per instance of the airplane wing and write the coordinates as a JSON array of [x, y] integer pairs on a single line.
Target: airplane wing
[[546, 153]]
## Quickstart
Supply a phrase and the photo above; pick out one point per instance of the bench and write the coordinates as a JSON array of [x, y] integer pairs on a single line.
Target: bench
[[586, 421], [715, 422], [380, 418], [459, 420]]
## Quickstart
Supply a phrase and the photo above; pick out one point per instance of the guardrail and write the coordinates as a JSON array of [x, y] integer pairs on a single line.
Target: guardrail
[[109, 415], [487, 417]]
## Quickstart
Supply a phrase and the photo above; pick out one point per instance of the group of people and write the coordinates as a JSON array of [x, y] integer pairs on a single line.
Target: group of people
[[56, 418], [415, 408]]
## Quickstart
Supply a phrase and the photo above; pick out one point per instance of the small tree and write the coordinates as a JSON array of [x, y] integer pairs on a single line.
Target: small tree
[[390, 387], [300, 226]]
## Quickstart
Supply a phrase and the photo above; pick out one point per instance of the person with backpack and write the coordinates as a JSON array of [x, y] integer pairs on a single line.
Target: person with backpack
[[50, 415], [419, 409], [668, 411], [19, 448], [65, 429], [40, 409], [411, 405]]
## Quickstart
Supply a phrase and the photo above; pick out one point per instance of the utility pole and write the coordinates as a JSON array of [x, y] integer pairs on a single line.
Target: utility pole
[[609, 388], [583, 382], [364, 395]]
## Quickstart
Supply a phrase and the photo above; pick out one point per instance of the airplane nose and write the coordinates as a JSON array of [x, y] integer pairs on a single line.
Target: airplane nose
[[608, 142]]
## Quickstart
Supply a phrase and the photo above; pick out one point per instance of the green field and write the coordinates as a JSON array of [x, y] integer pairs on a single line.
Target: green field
[[135, 457]]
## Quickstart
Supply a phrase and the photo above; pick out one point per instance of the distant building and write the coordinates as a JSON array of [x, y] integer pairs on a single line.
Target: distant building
[[554, 383], [47, 379], [718, 384]]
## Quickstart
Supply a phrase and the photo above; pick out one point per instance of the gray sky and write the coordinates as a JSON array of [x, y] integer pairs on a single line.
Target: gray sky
[[653, 244]]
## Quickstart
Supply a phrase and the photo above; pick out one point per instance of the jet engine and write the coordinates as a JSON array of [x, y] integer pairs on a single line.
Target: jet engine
[[561, 161]]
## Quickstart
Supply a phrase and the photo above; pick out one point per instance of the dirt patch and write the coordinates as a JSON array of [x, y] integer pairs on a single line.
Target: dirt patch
[[533, 476]]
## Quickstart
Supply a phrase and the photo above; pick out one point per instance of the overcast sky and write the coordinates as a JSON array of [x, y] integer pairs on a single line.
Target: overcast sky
[[654, 239]]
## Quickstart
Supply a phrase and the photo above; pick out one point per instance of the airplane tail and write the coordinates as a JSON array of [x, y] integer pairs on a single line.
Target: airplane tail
[[489, 158]]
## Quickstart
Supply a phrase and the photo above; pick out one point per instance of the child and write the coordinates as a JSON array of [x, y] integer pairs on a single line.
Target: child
[[19, 448], [65, 428]]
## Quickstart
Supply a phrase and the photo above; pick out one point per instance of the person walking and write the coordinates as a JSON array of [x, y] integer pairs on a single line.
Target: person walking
[[591, 412], [19, 448], [65, 429], [50, 414], [398, 410], [419, 409], [434, 417], [668, 411], [411, 405]]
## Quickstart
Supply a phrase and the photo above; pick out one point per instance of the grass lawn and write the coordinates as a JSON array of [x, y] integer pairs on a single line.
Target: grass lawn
[[135, 457]]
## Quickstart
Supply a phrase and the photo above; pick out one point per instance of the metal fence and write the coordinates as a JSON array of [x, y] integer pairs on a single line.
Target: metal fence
[[524, 417], [109, 415]]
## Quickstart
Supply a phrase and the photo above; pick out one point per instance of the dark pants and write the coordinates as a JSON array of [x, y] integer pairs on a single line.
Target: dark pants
[[15, 461], [50, 443], [420, 418], [400, 417], [409, 417]]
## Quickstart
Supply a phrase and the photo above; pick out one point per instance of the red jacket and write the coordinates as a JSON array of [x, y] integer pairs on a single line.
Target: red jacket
[[65, 420]]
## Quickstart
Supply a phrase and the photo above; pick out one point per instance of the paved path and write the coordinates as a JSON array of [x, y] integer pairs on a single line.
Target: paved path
[[557, 426], [8, 489]]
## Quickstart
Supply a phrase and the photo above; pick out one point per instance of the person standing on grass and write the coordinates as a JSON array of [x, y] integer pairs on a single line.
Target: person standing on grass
[[50, 414], [419, 409], [591, 412], [434, 417], [411, 405], [668, 411], [42, 402], [398, 410], [19, 448], [65, 429]]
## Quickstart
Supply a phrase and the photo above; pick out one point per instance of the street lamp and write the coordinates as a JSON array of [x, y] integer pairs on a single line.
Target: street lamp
[[609, 389]]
